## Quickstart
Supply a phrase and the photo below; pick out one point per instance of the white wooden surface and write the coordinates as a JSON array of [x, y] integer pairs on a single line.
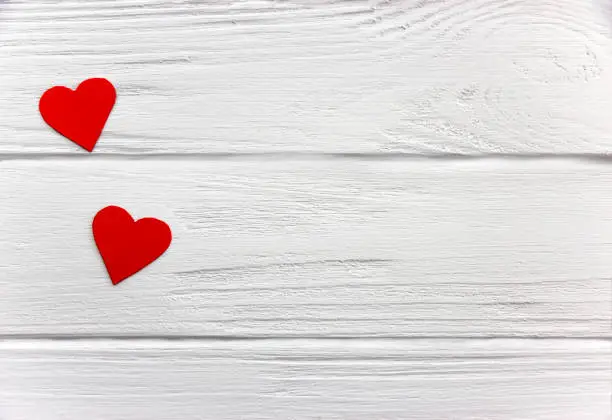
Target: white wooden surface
[[469, 273], [331, 259], [295, 379], [411, 76], [311, 247]]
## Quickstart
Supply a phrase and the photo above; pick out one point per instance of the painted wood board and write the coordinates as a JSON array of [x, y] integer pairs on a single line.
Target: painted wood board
[[306, 379], [413, 77], [313, 248]]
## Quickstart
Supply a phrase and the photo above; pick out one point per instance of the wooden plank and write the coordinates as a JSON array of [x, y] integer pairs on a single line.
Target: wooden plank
[[337, 247], [306, 379], [465, 77]]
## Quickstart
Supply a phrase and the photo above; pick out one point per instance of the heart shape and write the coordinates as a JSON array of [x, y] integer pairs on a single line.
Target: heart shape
[[79, 115], [127, 246]]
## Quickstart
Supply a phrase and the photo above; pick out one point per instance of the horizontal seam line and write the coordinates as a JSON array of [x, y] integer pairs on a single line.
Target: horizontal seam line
[[183, 337], [81, 155]]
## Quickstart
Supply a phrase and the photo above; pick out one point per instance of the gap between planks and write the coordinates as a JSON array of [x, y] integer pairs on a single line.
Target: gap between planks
[[308, 156], [50, 341], [263, 338]]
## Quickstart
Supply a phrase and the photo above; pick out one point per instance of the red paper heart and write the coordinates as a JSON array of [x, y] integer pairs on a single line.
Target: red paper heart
[[79, 114], [127, 246]]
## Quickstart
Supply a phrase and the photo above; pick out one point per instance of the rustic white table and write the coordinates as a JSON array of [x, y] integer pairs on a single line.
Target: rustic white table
[[381, 210]]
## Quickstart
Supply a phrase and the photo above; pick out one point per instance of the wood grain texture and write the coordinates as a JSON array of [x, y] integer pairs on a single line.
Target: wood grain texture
[[422, 77], [316, 271], [306, 379], [337, 247]]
